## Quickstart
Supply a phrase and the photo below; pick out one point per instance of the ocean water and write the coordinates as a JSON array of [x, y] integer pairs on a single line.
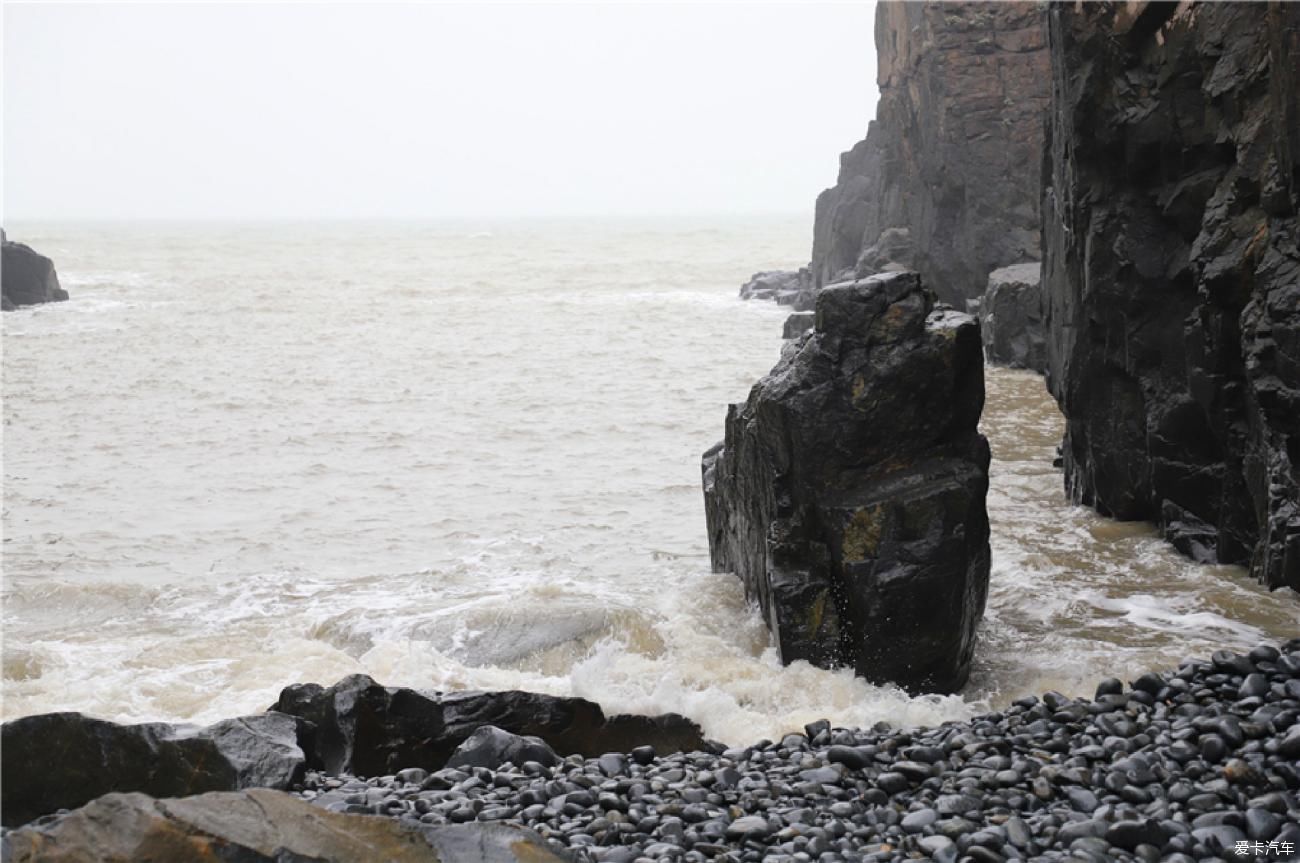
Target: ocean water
[[467, 456]]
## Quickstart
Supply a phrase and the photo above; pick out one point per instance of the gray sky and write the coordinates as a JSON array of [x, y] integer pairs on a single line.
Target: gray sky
[[272, 111]]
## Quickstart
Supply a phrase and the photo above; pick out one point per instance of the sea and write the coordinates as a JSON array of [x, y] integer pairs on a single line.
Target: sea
[[467, 456]]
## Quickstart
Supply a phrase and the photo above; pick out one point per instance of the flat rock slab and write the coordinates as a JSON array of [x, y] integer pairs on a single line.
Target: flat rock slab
[[256, 826]]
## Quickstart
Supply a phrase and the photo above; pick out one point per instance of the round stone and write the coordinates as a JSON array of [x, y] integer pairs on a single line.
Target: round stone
[[915, 822]]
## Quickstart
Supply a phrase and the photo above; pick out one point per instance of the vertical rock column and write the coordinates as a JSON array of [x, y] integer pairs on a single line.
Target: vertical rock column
[[849, 492]]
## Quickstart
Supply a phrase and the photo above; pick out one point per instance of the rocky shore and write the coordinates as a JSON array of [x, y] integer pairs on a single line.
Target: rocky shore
[[62, 760], [1184, 765]]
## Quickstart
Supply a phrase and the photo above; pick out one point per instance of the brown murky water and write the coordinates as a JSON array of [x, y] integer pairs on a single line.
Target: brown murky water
[[1076, 597], [468, 456]]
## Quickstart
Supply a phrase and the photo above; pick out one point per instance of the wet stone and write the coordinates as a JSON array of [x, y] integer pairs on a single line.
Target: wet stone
[[915, 822], [1130, 834], [941, 849], [1018, 832], [1082, 800], [956, 804], [749, 825], [848, 756], [914, 770], [893, 783]]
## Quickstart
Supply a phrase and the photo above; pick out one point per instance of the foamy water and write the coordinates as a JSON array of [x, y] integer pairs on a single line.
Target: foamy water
[[468, 456]]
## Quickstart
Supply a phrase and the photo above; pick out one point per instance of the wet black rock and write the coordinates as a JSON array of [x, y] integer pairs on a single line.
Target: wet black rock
[[489, 746], [1171, 272], [365, 728], [61, 760], [258, 827], [849, 492], [27, 278], [1011, 318], [785, 287]]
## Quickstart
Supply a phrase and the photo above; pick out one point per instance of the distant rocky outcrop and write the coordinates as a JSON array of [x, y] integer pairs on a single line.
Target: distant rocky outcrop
[[1011, 318], [786, 287], [259, 827], [367, 729], [26, 277], [62, 760], [946, 181], [849, 491], [1171, 273]]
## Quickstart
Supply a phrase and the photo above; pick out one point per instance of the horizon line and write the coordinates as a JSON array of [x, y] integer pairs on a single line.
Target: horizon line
[[505, 217]]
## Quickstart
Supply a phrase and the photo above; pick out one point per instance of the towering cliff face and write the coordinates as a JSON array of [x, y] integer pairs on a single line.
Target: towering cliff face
[[946, 181], [1171, 271]]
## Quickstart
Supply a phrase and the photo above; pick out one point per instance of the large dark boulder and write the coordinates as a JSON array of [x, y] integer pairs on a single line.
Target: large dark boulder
[[849, 492], [367, 729], [258, 827], [491, 747], [26, 277], [1171, 273], [1011, 318], [946, 180], [62, 760]]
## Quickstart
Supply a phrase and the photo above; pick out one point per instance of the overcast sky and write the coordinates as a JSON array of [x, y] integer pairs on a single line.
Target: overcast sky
[[408, 111]]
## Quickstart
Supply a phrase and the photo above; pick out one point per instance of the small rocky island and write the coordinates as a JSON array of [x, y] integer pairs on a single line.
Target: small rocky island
[[27, 278]]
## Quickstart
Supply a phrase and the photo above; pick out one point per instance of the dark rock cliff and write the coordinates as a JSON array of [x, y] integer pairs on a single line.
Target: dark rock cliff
[[849, 492], [26, 277], [1171, 272], [946, 181]]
